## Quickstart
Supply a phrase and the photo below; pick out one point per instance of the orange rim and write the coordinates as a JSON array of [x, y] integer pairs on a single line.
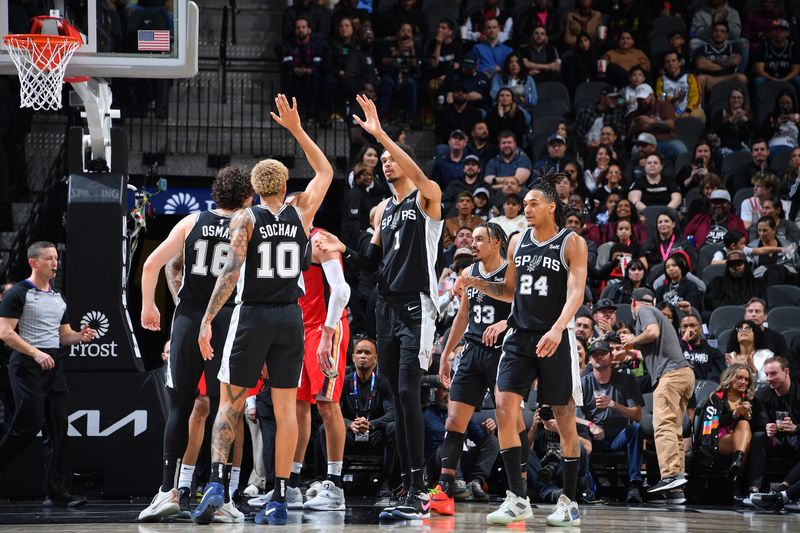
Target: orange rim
[[49, 50], [26, 40]]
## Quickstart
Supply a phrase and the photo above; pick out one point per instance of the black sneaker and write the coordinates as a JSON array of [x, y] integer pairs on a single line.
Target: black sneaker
[[388, 512], [64, 499], [771, 501], [241, 504], [416, 507], [634, 494], [478, 494], [184, 497], [667, 483]]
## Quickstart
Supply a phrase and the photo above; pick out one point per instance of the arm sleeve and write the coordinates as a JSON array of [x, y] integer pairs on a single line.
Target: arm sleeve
[[340, 291]]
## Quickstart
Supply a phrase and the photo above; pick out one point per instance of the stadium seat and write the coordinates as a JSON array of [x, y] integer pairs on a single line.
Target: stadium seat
[[783, 295], [790, 335], [767, 94], [444, 10], [545, 125], [693, 193], [587, 93], [655, 272], [707, 254], [722, 339], [724, 317], [538, 145], [689, 130], [733, 163], [711, 272], [783, 318], [552, 91], [666, 25], [702, 389], [740, 196], [781, 161], [683, 159], [603, 253]]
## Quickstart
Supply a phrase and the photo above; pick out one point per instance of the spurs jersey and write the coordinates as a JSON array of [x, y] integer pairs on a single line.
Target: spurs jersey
[[485, 310], [317, 291], [410, 240], [275, 257], [541, 281], [205, 252]]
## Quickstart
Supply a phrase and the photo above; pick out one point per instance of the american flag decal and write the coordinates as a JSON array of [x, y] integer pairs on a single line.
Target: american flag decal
[[153, 41]]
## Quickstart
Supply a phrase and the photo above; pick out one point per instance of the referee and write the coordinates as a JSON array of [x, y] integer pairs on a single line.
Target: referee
[[34, 324]]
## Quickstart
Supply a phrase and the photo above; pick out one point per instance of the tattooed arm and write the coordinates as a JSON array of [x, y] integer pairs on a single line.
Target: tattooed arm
[[241, 230], [501, 290], [174, 272]]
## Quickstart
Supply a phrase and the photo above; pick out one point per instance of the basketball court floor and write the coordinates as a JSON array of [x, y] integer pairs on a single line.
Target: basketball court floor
[[362, 516]]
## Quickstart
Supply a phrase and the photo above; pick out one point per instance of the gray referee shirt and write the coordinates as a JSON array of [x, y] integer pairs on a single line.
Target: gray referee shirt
[[40, 314]]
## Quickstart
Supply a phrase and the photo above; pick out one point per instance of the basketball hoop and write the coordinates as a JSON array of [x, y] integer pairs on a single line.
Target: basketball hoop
[[41, 61]]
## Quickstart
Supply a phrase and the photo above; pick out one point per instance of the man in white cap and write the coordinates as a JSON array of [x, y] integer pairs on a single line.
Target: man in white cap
[[645, 145], [710, 228], [655, 116]]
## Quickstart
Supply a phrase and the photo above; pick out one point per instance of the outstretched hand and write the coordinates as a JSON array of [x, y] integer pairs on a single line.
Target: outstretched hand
[[287, 116], [328, 243], [372, 124]]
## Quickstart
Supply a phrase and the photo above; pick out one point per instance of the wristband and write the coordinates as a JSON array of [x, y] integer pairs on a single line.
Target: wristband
[[589, 423]]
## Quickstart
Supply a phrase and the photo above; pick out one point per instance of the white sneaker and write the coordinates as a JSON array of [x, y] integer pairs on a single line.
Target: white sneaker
[[313, 490], [228, 514], [513, 509], [252, 491], [329, 498], [163, 504], [294, 499], [566, 514]]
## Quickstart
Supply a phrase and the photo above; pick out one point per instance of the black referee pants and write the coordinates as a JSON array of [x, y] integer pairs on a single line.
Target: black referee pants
[[40, 399]]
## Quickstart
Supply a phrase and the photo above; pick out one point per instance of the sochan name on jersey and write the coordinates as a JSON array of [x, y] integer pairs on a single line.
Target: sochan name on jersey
[[98, 321], [546, 262], [405, 214]]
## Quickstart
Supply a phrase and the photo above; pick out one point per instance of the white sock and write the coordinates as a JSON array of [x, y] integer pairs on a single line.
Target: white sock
[[334, 468], [234, 482], [185, 478], [785, 497], [297, 467]]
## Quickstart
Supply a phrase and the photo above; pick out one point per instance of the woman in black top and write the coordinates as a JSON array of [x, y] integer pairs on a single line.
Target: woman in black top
[[701, 165], [506, 115], [734, 125], [654, 188], [620, 291], [677, 288], [666, 240]]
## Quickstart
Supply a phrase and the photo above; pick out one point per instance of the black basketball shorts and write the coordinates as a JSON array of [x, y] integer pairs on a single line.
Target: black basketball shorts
[[264, 333], [186, 364], [475, 373], [405, 327], [558, 375]]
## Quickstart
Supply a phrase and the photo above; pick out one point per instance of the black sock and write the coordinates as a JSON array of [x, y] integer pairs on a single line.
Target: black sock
[[511, 460], [217, 473], [525, 449], [168, 467], [418, 479], [405, 479], [571, 465], [451, 449], [279, 492], [337, 480], [447, 481], [226, 482], [294, 480]]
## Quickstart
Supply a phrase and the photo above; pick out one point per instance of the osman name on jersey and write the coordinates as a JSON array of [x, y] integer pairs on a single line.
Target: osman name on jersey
[[217, 230]]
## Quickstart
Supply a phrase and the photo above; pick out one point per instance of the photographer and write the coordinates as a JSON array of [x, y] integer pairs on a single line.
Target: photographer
[[544, 458]]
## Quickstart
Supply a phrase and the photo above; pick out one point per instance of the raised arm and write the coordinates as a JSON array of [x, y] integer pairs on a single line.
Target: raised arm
[[172, 246], [500, 290], [339, 297], [309, 201], [430, 190], [241, 229]]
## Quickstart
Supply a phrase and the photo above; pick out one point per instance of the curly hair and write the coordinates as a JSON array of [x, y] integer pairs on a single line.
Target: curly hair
[[231, 188], [268, 177], [759, 339]]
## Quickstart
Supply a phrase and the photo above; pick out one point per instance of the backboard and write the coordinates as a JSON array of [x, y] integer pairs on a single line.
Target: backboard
[[151, 39]]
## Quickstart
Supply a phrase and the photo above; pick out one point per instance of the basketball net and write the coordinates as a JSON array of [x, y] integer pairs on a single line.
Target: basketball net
[[41, 62]]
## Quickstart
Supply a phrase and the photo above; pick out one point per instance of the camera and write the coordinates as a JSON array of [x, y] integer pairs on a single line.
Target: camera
[[546, 413], [550, 463]]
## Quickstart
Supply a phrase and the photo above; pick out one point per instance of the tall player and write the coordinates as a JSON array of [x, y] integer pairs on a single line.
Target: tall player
[[545, 281], [408, 227], [268, 243], [202, 239], [481, 322]]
